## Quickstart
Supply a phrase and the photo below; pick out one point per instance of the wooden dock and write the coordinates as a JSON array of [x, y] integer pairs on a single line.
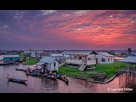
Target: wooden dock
[[126, 70]]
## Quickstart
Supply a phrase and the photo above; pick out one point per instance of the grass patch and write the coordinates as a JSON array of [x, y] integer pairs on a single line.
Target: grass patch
[[31, 62], [71, 71], [109, 69]]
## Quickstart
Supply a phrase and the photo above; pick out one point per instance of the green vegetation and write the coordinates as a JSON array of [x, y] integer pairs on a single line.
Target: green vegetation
[[21, 55], [112, 53], [31, 60], [71, 72], [109, 69]]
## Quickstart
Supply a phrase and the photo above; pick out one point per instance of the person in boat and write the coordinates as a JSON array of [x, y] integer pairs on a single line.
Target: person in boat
[[8, 76], [27, 72], [65, 77], [42, 71]]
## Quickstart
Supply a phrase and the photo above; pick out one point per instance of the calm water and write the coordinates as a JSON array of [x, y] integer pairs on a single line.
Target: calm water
[[45, 85]]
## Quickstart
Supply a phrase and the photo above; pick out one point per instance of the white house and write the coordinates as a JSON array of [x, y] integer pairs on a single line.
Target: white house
[[50, 63], [104, 58], [59, 57], [33, 52]]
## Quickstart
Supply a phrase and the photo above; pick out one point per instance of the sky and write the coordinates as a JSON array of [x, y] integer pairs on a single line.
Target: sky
[[67, 29]]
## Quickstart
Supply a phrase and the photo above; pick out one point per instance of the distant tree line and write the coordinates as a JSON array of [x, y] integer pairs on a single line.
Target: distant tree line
[[112, 53]]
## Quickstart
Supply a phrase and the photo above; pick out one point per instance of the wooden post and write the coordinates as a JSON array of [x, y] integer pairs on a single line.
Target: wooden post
[[63, 58], [86, 59], [70, 56], [128, 67], [119, 66], [77, 57], [50, 69]]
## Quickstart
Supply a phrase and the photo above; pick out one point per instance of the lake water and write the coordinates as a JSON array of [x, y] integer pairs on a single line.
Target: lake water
[[121, 84]]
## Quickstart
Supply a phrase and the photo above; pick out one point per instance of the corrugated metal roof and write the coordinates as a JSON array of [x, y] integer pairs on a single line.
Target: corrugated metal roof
[[130, 59], [105, 54], [80, 52], [47, 59], [10, 56], [39, 64], [55, 55]]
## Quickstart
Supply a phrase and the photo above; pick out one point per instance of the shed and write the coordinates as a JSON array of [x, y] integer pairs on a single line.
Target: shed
[[50, 63], [10, 57], [129, 59]]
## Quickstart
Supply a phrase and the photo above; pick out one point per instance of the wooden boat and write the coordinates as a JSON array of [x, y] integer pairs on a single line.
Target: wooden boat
[[50, 76], [61, 78], [20, 69], [16, 80], [32, 74], [99, 75], [6, 63]]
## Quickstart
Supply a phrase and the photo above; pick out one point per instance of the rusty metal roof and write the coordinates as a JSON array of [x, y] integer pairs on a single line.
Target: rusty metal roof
[[78, 52]]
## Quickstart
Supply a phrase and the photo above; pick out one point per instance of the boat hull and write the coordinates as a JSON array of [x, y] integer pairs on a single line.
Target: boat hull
[[6, 63], [17, 80]]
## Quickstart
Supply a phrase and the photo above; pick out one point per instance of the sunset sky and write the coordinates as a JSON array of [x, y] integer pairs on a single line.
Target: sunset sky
[[68, 29]]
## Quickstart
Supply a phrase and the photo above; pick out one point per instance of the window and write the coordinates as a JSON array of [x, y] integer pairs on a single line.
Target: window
[[89, 58], [103, 59], [108, 59], [54, 64]]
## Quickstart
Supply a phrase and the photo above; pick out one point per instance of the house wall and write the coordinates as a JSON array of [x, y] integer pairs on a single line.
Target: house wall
[[54, 68], [91, 62], [74, 61], [111, 59], [51, 67], [92, 57], [47, 66]]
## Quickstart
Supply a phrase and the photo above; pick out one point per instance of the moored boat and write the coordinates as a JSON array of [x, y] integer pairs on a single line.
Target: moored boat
[[16, 80], [32, 74], [65, 79], [6, 63], [50, 76], [19, 69]]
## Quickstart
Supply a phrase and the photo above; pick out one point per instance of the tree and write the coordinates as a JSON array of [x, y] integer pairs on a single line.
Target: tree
[[129, 51], [122, 54], [112, 53]]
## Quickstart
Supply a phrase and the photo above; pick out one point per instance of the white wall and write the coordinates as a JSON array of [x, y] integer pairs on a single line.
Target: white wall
[[92, 57], [54, 68], [111, 59]]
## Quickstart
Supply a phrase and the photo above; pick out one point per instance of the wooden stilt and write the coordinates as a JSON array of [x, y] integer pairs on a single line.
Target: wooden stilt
[[119, 67]]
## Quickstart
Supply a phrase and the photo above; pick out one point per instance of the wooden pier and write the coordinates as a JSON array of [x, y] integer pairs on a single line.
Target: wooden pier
[[127, 70]]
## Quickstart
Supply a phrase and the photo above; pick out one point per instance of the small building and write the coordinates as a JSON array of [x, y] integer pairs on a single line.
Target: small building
[[104, 58], [32, 52], [87, 57], [50, 63], [118, 54], [10, 57], [58, 57]]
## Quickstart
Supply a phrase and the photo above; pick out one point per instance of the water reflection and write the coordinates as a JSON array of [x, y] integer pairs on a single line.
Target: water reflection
[[45, 85], [128, 80]]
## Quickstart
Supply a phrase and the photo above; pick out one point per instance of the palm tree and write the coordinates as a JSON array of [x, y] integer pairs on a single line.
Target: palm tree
[[129, 51]]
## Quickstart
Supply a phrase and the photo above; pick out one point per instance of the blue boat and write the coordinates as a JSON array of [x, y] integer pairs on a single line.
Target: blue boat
[[6, 63], [20, 69], [50, 76], [65, 79]]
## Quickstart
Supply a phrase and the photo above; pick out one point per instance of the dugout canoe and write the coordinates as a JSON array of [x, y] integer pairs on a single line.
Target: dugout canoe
[[50, 76], [16, 80]]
